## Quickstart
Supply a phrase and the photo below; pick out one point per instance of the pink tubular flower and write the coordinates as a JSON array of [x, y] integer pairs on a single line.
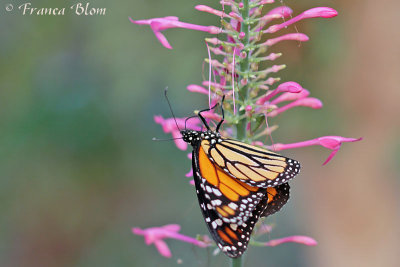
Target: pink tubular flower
[[332, 142], [317, 12], [305, 102], [301, 239], [169, 126], [211, 10], [291, 96], [282, 11], [156, 236], [194, 88], [190, 173], [301, 37], [160, 24], [211, 115]]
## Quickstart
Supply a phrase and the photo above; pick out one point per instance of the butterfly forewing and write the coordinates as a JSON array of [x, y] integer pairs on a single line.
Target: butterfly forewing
[[250, 164]]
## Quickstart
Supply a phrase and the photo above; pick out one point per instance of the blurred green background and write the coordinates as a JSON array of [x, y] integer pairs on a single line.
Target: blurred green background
[[78, 168]]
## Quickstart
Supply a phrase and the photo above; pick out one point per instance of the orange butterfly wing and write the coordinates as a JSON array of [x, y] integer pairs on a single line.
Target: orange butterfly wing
[[252, 165]]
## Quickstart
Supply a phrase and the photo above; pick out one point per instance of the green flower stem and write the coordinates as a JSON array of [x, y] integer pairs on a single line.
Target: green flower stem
[[237, 262], [244, 68], [245, 63]]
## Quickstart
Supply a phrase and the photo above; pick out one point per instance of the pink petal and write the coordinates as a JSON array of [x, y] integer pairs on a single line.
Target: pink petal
[[172, 227], [163, 40], [163, 248], [138, 231], [333, 153], [190, 173]]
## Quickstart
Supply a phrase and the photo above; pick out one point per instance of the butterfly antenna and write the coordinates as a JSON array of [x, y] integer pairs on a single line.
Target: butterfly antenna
[[170, 108], [168, 139]]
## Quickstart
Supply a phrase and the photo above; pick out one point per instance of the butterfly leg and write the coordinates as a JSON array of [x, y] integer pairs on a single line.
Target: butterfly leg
[[223, 114], [203, 119]]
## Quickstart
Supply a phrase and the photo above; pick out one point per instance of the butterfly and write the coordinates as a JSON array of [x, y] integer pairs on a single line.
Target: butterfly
[[236, 184]]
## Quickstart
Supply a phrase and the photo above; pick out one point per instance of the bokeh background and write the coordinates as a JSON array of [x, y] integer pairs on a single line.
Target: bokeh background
[[78, 168]]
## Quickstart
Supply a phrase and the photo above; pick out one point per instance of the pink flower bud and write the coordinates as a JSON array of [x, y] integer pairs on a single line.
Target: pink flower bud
[[272, 56], [283, 11], [305, 102], [320, 12], [211, 115], [197, 89], [210, 10], [235, 16], [214, 41], [310, 102], [305, 240], [301, 37], [291, 87], [263, 2]]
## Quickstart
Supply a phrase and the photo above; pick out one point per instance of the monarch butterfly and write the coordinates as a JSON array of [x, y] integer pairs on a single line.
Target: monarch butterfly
[[236, 183]]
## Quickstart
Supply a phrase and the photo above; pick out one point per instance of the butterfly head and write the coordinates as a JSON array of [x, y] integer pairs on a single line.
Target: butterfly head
[[190, 136]]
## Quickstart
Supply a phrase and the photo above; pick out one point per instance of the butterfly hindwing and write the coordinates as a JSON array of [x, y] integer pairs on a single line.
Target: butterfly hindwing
[[250, 164], [277, 197]]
